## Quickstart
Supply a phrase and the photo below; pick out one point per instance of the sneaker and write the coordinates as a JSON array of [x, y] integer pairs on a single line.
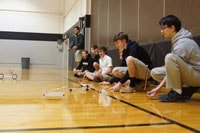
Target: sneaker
[[189, 91], [172, 96], [128, 90], [198, 90]]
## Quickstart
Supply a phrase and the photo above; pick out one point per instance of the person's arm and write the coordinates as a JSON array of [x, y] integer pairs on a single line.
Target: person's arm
[[154, 91], [80, 66], [80, 42], [71, 42]]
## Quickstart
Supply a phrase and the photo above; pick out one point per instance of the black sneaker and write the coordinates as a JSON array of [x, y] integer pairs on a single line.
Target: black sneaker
[[189, 91], [172, 96]]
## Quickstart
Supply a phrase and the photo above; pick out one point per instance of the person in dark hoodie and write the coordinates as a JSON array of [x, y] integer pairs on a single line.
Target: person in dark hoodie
[[135, 63], [86, 64], [181, 73]]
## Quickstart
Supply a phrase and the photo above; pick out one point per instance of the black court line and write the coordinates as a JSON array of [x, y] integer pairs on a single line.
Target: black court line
[[83, 127], [170, 121], [147, 111], [152, 113]]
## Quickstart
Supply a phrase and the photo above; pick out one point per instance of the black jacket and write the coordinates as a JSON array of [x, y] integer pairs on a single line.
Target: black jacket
[[86, 64], [133, 49]]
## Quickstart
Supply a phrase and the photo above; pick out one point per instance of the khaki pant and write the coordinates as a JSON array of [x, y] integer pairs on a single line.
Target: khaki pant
[[178, 73], [141, 70], [78, 56]]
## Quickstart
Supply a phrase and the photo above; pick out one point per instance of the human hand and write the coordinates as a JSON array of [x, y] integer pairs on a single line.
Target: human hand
[[74, 47], [152, 92]]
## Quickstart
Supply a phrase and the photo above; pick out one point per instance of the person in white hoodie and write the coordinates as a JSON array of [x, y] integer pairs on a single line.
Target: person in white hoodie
[[181, 72]]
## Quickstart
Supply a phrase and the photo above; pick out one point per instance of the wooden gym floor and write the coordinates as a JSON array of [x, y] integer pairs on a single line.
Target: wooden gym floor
[[24, 109]]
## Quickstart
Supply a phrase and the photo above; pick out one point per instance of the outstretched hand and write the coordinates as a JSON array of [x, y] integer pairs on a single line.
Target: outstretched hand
[[152, 92]]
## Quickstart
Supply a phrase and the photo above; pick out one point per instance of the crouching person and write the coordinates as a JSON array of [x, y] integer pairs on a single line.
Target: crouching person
[[182, 66]]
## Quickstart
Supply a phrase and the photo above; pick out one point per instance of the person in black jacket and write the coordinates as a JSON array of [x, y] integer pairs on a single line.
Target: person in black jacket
[[86, 64], [135, 63], [78, 44]]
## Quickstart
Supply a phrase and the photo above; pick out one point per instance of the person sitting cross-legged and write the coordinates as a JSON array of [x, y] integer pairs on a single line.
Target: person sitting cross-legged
[[86, 64], [105, 69]]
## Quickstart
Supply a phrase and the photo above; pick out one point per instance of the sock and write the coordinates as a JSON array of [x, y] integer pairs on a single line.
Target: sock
[[124, 79], [133, 80], [114, 79]]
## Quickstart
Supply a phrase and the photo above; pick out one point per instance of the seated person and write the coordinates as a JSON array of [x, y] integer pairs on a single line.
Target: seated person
[[86, 64], [136, 63], [105, 70], [95, 52]]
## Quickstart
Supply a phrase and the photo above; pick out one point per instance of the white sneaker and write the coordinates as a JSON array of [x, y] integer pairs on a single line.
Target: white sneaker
[[128, 90]]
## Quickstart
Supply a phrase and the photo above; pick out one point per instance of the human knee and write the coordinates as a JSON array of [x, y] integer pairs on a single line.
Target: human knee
[[96, 65], [115, 71], [153, 73], [129, 60], [169, 58], [156, 75]]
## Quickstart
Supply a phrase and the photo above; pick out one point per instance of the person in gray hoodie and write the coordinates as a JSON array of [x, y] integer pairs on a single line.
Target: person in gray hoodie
[[181, 73]]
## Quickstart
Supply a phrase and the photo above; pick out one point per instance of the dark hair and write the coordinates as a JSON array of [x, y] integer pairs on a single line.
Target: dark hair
[[120, 36], [76, 27], [103, 48], [84, 51], [95, 46], [171, 20]]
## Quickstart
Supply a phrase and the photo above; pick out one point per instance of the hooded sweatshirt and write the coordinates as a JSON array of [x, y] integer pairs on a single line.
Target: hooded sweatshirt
[[186, 48]]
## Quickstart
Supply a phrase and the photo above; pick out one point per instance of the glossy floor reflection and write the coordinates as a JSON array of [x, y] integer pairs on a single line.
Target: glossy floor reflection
[[24, 109]]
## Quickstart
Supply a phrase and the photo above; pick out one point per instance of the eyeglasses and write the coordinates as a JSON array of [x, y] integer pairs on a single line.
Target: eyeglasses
[[164, 27]]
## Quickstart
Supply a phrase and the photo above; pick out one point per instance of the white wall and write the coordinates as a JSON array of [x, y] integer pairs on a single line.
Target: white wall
[[73, 10], [40, 16], [35, 16], [42, 53], [31, 22]]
